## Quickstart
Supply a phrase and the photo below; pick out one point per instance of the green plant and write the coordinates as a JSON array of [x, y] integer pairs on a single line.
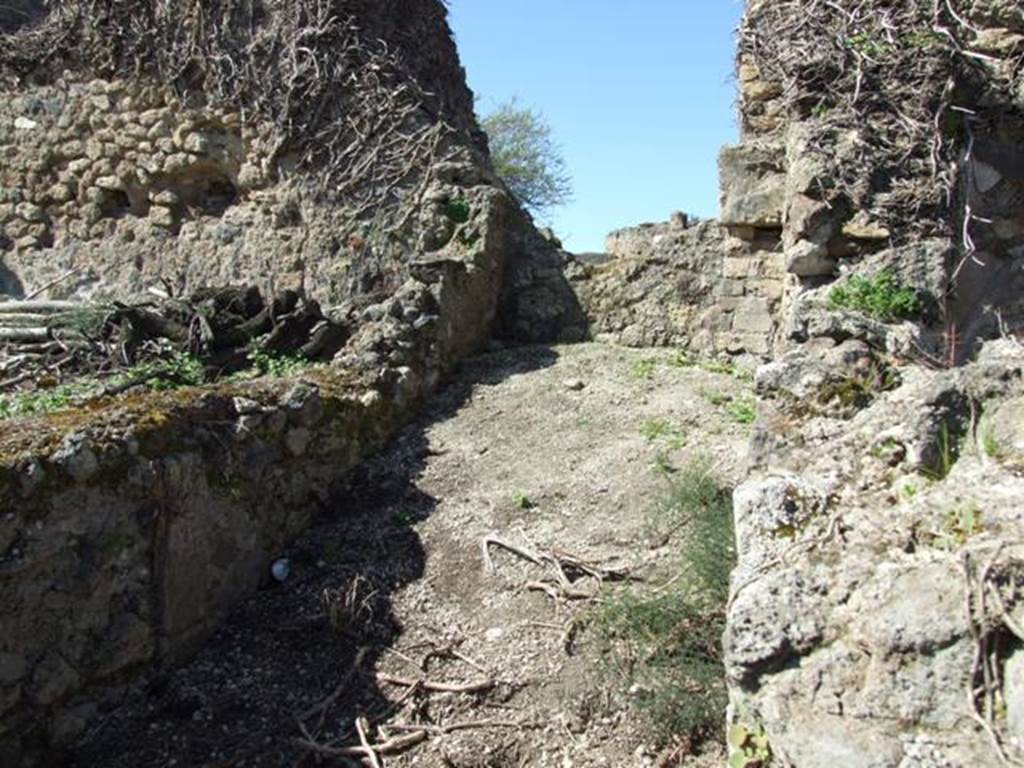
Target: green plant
[[990, 444], [961, 523], [921, 39], [521, 500], [867, 44], [279, 366], [38, 402], [179, 370], [881, 296], [820, 110], [656, 429], [526, 157], [748, 748], [644, 369], [887, 449], [859, 389], [743, 411], [663, 465], [947, 449], [458, 211], [682, 359], [717, 399], [718, 366], [666, 642]]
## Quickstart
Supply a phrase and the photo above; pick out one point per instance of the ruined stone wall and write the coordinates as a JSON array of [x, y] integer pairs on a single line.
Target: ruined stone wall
[[130, 525], [691, 285], [113, 183], [129, 533], [826, 169], [876, 609]]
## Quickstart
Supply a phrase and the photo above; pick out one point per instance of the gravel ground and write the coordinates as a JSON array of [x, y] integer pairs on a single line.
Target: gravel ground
[[550, 451]]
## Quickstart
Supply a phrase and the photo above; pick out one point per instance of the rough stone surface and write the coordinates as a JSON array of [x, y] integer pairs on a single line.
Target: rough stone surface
[[847, 631], [680, 283], [875, 481], [753, 185]]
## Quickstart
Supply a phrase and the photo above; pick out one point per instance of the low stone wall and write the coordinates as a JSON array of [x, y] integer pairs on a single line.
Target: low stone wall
[[129, 526], [697, 286], [129, 532]]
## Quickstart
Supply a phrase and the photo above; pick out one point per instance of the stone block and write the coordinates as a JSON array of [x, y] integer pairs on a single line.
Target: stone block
[[774, 265], [753, 315], [861, 227], [741, 267], [754, 343], [732, 287], [110, 183], [58, 193], [150, 117], [161, 216], [79, 166], [753, 185], [101, 102], [807, 259], [753, 88], [177, 163], [766, 287], [166, 198], [16, 228], [197, 143]]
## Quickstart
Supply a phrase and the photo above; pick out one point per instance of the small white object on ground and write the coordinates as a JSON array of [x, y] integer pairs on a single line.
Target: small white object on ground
[[280, 569]]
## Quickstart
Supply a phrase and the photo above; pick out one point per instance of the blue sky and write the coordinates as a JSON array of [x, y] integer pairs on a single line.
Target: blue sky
[[639, 94]]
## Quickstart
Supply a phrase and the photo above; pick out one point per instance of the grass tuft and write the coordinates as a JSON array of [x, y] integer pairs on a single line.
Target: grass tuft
[[666, 643]]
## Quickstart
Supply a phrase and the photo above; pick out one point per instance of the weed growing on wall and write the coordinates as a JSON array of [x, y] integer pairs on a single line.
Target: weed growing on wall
[[178, 371], [881, 297], [279, 366]]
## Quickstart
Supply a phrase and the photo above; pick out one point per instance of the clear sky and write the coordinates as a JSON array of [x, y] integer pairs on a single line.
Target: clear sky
[[639, 94]]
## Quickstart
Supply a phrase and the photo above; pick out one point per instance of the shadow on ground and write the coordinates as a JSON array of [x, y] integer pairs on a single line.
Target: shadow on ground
[[290, 660]]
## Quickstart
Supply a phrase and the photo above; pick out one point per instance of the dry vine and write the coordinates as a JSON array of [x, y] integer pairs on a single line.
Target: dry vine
[[323, 82], [883, 80], [987, 624]]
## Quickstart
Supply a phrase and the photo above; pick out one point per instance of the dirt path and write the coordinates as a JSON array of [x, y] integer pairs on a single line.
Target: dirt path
[[547, 450]]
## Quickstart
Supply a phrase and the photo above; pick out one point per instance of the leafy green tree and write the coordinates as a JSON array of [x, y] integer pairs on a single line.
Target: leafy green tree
[[526, 157]]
